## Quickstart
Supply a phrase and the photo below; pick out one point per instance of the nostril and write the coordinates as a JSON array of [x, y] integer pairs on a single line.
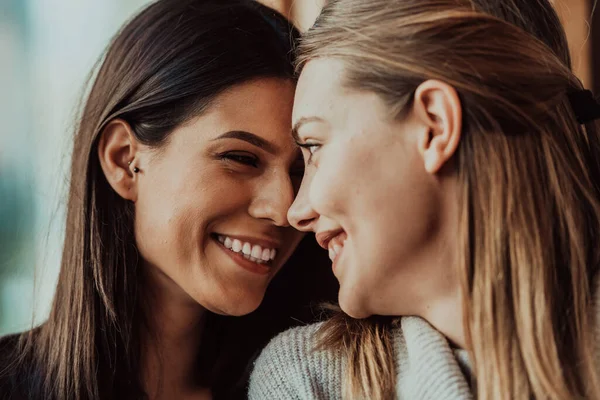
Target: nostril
[[303, 223]]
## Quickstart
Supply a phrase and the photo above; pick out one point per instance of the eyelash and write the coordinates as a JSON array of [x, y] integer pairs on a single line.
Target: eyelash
[[311, 147], [248, 160]]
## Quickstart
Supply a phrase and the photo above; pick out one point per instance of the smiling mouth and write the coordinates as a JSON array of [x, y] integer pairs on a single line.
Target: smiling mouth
[[248, 250], [335, 245], [250, 256]]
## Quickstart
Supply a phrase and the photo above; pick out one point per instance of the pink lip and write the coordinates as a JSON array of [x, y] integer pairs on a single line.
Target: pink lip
[[260, 269], [323, 238]]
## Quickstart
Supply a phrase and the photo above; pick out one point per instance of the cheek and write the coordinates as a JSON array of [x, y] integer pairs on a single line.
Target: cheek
[[334, 182], [164, 225], [174, 211], [392, 218]]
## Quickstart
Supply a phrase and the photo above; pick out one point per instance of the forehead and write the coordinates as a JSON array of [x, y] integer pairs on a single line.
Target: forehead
[[262, 107], [255, 103], [319, 88], [322, 93]]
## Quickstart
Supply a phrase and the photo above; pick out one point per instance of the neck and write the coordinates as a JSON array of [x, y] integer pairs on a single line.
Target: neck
[[442, 304], [446, 315], [171, 345]]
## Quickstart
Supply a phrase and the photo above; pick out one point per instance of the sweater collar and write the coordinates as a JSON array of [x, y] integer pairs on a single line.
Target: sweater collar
[[426, 365]]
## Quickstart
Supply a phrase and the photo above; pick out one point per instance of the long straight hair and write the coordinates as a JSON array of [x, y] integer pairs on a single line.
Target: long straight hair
[[164, 67], [528, 174]]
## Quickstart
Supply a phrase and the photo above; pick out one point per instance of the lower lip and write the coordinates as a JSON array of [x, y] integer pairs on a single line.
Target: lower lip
[[248, 265]]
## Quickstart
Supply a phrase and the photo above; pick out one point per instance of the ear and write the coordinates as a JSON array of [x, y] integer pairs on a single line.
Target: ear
[[437, 106], [117, 148]]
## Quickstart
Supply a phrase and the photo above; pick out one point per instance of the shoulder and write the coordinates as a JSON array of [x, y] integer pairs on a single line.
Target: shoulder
[[13, 383], [9, 346], [291, 368]]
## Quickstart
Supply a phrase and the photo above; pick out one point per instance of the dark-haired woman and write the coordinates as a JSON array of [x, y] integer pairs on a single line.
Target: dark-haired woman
[[182, 174]]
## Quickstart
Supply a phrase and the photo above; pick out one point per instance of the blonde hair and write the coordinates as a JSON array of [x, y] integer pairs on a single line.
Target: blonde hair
[[529, 177]]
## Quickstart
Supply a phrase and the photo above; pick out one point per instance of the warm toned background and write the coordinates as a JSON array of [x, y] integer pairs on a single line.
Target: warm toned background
[[575, 15]]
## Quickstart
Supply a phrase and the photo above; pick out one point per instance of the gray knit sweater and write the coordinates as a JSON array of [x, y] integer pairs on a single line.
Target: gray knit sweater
[[427, 367]]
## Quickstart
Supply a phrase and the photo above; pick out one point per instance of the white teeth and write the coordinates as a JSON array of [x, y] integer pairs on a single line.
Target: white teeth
[[252, 252], [247, 249], [256, 251], [266, 255], [334, 250]]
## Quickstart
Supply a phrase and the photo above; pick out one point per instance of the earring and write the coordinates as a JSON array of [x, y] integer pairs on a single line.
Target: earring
[[135, 169]]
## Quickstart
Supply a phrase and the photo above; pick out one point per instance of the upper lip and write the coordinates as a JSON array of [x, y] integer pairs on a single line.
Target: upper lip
[[323, 238], [269, 243]]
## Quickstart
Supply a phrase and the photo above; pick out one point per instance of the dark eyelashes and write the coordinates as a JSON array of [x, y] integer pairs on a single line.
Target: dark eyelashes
[[253, 161], [240, 158], [305, 145], [311, 147]]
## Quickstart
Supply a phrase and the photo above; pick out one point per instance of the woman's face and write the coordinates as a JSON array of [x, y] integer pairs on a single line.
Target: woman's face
[[210, 215], [367, 196]]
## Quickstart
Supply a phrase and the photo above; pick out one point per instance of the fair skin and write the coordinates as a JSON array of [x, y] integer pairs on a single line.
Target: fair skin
[[222, 184], [380, 194]]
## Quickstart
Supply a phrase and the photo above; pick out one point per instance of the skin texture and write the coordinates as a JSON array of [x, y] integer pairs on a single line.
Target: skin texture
[[380, 194], [204, 182]]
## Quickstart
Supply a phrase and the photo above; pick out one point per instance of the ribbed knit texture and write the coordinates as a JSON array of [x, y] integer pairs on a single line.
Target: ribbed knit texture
[[288, 368], [427, 367]]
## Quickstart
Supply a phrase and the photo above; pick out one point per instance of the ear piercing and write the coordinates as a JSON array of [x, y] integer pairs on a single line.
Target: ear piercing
[[135, 169]]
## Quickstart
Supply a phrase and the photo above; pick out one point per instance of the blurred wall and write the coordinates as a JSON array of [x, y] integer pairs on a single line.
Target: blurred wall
[[302, 12], [47, 49], [576, 18]]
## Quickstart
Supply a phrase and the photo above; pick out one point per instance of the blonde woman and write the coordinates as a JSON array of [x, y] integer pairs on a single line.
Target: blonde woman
[[182, 174], [452, 172]]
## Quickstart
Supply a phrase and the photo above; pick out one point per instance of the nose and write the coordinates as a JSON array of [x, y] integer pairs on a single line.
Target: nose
[[274, 196], [301, 214]]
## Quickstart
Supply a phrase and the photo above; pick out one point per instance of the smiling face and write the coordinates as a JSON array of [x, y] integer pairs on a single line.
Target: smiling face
[[368, 195], [211, 204]]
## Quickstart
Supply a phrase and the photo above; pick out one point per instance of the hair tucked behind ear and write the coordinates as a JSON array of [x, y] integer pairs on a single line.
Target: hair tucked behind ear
[[529, 173]]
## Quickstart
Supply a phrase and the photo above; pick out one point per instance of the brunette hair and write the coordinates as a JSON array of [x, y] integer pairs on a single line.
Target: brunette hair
[[529, 176], [163, 68]]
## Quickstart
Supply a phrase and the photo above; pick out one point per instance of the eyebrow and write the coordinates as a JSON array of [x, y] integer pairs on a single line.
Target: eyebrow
[[250, 138], [302, 121]]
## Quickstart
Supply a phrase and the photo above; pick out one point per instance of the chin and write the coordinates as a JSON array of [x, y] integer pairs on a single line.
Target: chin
[[352, 307], [238, 307]]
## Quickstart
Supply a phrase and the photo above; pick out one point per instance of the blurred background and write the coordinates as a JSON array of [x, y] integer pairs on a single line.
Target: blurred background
[[47, 50]]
